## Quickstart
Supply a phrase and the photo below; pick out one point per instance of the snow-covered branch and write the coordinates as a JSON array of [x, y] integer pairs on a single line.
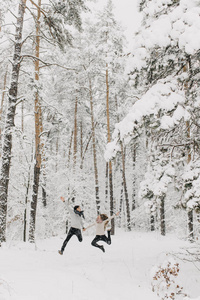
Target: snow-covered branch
[[46, 64]]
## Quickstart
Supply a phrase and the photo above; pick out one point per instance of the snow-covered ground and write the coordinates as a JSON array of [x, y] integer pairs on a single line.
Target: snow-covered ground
[[123, 272]]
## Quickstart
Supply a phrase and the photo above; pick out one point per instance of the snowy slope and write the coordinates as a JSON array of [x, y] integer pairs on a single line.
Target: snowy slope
[[86, 273]]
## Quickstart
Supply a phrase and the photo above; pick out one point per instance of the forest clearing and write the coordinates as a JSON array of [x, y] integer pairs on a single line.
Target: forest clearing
[[99, 126], [124, 271]]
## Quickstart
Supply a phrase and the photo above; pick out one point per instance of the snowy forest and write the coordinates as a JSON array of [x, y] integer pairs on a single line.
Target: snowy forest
[[110, 125]]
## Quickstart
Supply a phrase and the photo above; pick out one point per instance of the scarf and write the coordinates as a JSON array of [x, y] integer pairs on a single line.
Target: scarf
[[80, 213]]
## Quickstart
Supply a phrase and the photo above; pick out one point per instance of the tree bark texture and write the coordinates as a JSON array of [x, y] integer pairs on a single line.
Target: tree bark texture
[[128, 217], [111, 196], [75, 133], [94, 150], [38, 131], [134, 177], [81, 139], [106, 184], [2, 100], [152, 222], [22, 116], [121, 201], [25, 209], [70, 148], [189, 157], [190, 226], [86, 147], [9, 124], [162, 216], [32, 225], [190, 212], [110, 176]]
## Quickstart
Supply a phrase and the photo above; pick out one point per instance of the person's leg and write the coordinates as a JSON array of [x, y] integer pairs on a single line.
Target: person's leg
[[69, 235], [95, 240], [106, 239], [109, 237], [79, 235]]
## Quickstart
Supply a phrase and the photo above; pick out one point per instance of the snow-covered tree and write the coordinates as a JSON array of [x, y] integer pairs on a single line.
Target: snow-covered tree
[[56, 17], [165, 68]]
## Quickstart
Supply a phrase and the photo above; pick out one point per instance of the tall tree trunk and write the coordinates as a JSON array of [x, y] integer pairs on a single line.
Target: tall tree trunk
[[75, 133], [189, 157], [190, 226], [128, 217], [22, 116], [152, 222], [2, 100], [44, 193], [7, 140], [43, 163], [38, 128], [43, 171], [81, 139], [106, 184], [121, 201], [86, 147], [111, 196], [70, 148], [134, 177], [94, 150], [190, 212], [25, 210], [152, 215], [162, 216], [110, 176], [124, 178], [26, 199]]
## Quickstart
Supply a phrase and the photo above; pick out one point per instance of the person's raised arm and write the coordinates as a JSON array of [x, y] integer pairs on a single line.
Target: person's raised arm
[[67, 204], [113, 216], [62, 198]]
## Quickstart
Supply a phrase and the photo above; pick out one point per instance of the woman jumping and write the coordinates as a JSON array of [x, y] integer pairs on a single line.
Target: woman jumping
[[101, 222]]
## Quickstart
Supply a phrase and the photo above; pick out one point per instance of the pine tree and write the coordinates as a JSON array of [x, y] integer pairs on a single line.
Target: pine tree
[[109, 42], [53, 20], [162, 50]]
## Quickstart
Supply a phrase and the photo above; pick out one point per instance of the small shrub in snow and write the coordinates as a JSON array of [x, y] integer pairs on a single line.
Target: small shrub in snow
[[165, 282]]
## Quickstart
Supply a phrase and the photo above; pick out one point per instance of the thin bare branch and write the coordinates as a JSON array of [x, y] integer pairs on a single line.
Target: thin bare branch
[[66, 68], [28, 36], [45, 64], [12, 14]]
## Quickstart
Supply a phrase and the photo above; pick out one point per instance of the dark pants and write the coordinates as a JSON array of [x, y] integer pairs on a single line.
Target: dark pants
[[72, 231], [103, 238]]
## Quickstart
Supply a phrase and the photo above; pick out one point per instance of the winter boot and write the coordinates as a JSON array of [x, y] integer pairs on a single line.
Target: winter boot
[[102, 248], [109, 236]]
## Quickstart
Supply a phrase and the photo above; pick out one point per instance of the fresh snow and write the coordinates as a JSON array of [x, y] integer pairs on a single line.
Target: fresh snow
[[178, 27], [162, 96], [124, 272]]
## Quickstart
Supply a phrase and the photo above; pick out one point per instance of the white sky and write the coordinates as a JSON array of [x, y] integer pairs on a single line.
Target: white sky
[[126, 12]]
